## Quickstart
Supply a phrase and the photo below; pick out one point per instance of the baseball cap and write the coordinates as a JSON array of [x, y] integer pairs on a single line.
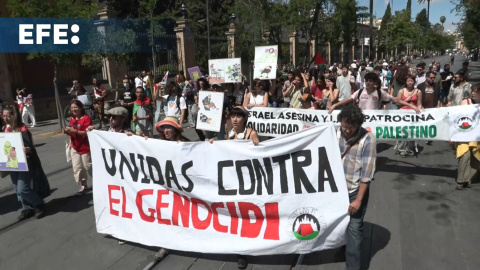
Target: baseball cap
[[353, 65]]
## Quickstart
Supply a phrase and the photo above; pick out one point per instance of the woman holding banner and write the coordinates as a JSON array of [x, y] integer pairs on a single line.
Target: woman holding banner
[[239, 118], [412, 96]]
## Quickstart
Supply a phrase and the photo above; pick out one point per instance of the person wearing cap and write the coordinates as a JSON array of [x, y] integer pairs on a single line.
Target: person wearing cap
[[118, 121], [28, 111], [385, 76], [170, 130]]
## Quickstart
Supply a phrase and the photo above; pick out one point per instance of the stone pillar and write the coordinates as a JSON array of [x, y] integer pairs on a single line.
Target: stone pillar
[[5, 87], [185, 45], [112, 71], [292, 38], [362, 55], [231, 41]]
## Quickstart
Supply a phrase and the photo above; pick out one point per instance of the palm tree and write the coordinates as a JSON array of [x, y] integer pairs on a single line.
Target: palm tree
[[428, 7], [442, 20]]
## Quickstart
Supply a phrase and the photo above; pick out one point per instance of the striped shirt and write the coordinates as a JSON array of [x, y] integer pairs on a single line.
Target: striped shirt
[[359, 162]]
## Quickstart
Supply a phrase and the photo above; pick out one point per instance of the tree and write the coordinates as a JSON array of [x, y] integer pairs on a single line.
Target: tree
[[422, 20], [52, 9], [428, 7], [363, 14], [470, 24], [409, 8], [383, 33]]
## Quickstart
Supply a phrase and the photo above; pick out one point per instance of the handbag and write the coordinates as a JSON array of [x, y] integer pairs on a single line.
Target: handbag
[[68, 150]]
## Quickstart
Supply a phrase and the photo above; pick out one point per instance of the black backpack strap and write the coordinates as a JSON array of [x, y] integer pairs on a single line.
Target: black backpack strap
[[379, 93], [359, 94]]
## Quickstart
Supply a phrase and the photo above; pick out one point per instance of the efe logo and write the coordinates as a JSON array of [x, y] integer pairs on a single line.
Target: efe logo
[[60, 33]]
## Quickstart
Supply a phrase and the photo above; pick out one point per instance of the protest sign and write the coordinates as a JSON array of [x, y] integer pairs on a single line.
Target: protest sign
[[283, 196], [464, 123], [195, 74], [210, 110], [265, 62], [164, 80], [12, 157], [430, 124], [225, 70]]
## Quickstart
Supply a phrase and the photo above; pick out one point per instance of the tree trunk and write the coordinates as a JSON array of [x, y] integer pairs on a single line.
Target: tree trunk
[[61, 117]]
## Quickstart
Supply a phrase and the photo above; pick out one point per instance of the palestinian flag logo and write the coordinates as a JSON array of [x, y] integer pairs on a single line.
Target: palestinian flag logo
[[464, 123], [306, 227]]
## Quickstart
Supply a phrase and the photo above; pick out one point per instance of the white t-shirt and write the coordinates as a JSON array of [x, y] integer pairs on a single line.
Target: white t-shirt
[[138, 82], [145, 79], [172, 109]]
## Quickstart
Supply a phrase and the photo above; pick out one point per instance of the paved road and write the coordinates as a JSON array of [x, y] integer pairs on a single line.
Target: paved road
[[415, 220]]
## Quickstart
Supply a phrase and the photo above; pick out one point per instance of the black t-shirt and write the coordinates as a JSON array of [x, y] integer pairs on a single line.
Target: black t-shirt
[[446, 85]]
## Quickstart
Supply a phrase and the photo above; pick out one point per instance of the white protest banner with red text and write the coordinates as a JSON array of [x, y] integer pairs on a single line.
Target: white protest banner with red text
[[283, 196], [431, 124]]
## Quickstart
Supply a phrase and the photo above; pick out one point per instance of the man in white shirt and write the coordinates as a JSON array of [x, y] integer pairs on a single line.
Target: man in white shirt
[[420, 75], [343, 84], [138, 81]]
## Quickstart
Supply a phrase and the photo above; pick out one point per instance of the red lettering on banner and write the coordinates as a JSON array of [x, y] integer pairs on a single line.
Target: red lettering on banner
[[185, 208], [111, 200], [196, 222], [161, 205], [273, 221], [181, 208], [249, 229], [216, 224], [139, 202], [232, 210], [125, 214]]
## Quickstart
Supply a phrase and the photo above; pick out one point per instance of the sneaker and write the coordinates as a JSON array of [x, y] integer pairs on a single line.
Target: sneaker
[[83, 190], [459, 187], [242, 262], [40, 211], [26, 214], [467, 184]]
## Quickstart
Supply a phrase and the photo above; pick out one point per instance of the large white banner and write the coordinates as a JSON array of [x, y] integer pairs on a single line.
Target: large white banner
[[285, 195], [458, 123]]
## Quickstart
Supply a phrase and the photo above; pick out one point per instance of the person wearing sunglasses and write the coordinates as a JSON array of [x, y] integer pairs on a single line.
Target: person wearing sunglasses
[[118, 121]]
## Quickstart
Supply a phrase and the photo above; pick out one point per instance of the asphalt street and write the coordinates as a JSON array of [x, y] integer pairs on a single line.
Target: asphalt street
[[415, 220]]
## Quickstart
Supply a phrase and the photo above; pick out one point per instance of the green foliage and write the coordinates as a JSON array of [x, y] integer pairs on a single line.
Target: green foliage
[[422, 20], [470, 24]]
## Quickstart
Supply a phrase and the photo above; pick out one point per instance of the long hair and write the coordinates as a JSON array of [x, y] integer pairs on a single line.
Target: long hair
[[333, 79], [401, 74], [79, 105], [17, 123]]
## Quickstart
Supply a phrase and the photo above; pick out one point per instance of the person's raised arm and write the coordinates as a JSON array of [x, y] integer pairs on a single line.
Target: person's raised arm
[[345, 101], [334, 95]]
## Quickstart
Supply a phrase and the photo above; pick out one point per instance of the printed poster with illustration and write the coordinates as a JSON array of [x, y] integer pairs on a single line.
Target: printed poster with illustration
[[225, 70], [12, 157], [195, 74], [265, 62], [210, 110]]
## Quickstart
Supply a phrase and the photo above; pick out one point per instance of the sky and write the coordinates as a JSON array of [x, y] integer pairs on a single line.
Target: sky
[[438, 8]]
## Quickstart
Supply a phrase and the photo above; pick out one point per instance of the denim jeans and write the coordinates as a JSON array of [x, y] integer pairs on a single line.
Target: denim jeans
[[192, 114], [21, 183], [355, 232]]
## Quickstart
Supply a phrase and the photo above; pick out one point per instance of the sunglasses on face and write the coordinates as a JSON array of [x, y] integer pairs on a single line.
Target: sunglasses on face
[[432, 77], [115, 117]]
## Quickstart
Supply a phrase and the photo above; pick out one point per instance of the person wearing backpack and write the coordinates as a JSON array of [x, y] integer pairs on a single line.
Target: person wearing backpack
[[371, 98]]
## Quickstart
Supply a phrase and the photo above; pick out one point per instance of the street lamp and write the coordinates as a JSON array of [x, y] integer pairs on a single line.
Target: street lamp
[[183, 10]]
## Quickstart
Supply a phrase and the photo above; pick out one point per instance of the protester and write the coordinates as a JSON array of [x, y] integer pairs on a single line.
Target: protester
[[398, 83], [368, 98], [464, 70], [430, 91], [275, 95], [317, 90], [28, 111], [286, 86], [468, 153], [420, 74], [385, 77], [343, 83], [80, 148], [128, 97], [412, 96], [20, 101], [142, 114], [257, 97], [99, 93], [30, 197], [459, 90], [358, 148], [239, 119], [189, 93], [296, 90], [138, 80], [329, 94], [447, 77], [118, 121], [170, 130]]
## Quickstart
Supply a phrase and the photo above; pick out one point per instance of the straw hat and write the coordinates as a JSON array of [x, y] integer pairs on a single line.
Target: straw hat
[[169, 121]]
